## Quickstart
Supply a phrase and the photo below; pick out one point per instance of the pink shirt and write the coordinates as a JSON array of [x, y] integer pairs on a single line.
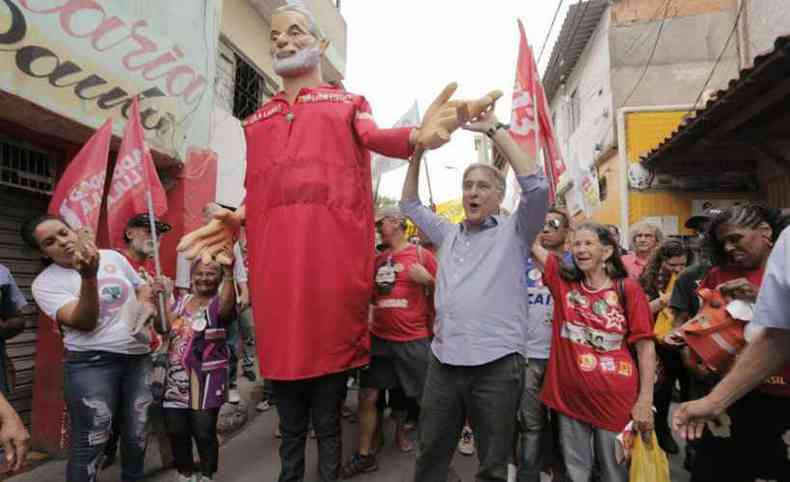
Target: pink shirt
[[634, 265]]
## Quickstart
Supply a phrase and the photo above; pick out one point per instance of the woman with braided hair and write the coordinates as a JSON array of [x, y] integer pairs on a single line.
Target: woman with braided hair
[[671, 258], [758, 425]]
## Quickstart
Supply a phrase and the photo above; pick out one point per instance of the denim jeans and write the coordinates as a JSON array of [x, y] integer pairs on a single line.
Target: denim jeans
[[585, 446], [98, 387], [241, 341], [532, 415], [300, 401], [488, 395]]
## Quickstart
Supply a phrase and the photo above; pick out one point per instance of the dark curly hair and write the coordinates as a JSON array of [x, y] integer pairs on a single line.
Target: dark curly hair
[[614, 265], [749, 215], [651, 279]]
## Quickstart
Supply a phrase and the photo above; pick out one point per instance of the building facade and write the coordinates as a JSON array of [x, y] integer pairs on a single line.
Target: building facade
[[622, 76]]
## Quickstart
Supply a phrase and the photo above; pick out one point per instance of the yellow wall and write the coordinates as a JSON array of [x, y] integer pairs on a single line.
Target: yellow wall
[[609, 211], [248, 32]]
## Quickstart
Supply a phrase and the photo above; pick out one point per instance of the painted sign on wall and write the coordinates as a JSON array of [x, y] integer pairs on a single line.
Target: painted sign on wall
[[86, 60]]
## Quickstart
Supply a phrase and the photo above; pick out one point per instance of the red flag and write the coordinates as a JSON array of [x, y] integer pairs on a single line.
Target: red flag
[[78, 194], [134, 175], [524, 129]]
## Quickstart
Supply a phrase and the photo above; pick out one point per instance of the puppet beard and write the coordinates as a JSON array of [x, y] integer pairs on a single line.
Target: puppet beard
[[299, 63]]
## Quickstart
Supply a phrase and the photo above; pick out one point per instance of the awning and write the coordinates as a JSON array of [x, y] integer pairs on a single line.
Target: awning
[[740, 125]]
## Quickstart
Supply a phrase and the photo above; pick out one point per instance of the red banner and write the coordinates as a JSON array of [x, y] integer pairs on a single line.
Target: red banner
[[134, 175], [524, 127], [78, 194]]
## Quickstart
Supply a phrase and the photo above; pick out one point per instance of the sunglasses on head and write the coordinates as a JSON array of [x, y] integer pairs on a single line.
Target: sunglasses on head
[[554, 224]]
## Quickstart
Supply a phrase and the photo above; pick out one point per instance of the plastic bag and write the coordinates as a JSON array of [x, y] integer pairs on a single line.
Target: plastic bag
[[665, 320], [648, 464]]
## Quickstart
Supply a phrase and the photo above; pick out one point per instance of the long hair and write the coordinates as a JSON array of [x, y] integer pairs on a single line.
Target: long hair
[[749, 215], [614, 265], [651, 280]]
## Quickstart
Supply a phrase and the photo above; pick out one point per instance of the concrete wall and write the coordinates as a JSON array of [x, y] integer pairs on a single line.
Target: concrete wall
[[765, 20], [683, 59]]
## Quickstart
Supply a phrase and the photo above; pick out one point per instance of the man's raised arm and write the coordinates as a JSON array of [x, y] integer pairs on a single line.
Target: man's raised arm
[[434, 226]]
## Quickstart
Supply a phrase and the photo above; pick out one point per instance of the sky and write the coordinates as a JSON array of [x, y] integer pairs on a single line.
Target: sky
[[407, 50]]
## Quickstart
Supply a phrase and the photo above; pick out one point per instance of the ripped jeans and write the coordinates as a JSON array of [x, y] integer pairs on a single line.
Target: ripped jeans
[[97, 383]]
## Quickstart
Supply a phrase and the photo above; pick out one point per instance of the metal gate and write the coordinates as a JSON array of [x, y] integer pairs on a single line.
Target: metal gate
[[26, 180]]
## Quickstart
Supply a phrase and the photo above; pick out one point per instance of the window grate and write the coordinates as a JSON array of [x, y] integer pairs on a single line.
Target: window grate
[[25, 168], [252, 89]]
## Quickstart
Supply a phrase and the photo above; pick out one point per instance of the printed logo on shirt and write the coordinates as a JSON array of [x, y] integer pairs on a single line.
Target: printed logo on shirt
[[577, 299], [539, 298], [393, 303], [325, 97], [113, 293], [600, 307], [601, 341], [587, 362], [385, 278], [607, 364], [625, 368], [612, 299]]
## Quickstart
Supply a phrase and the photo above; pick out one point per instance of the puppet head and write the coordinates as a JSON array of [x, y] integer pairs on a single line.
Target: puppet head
[[297, 41]]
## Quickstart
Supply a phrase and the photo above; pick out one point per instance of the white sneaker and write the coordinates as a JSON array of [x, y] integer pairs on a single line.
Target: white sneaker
[[263, 406], [467, 443], [234, 396], [186, 478]]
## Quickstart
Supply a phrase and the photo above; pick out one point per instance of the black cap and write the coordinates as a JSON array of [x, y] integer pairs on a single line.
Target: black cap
[[142, 221], [699, 221]]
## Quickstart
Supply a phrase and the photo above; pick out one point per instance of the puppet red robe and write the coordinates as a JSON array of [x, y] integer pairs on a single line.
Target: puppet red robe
[[309, 222]]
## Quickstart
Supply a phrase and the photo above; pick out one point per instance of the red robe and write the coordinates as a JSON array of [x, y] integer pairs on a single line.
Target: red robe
[[310, 229]]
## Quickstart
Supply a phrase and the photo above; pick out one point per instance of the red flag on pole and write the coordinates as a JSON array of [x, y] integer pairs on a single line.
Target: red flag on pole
[[534, 130], [134, 175], [78, 194]]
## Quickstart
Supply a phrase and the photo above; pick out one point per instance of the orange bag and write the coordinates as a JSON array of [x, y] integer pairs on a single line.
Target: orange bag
[[713, 335]]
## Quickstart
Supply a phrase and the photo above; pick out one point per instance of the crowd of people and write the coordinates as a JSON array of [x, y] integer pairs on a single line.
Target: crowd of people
[[532, 339]]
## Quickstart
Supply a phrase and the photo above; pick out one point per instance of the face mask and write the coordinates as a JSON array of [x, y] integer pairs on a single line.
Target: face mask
[[299, 63]]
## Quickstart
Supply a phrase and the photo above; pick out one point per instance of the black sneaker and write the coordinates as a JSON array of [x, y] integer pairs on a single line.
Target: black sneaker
[[359, 464]]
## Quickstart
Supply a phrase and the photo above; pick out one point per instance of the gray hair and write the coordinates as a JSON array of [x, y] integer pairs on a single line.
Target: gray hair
[[301, 9], [644, 226], [496, 175]]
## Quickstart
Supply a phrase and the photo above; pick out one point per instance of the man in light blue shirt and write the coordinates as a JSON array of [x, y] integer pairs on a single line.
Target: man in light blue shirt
[[478, 352], [11, 324]]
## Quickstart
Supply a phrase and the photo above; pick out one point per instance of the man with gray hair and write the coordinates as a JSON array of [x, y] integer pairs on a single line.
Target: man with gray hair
[[477, 364], [644, 239]]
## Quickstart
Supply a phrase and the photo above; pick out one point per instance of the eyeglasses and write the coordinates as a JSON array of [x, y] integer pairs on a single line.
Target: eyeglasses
[[553, 224]]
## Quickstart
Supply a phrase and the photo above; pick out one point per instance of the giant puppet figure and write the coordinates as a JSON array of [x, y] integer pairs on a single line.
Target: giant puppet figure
[[309, 225]]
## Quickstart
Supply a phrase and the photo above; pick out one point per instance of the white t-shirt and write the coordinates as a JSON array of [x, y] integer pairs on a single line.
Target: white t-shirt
[[184, 266], [56, 286]]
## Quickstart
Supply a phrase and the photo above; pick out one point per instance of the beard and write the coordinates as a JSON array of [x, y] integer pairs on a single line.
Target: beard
[[144, 247], [300, 63]]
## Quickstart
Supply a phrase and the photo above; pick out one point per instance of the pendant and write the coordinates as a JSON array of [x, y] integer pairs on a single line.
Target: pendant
[[289, 116]]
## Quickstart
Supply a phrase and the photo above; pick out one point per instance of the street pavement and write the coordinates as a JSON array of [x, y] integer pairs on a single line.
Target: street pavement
[[252, 456]]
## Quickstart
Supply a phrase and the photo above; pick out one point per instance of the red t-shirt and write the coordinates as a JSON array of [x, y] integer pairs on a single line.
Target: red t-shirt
[[591, 374], [310, 231], [403, 309], [775, 385]]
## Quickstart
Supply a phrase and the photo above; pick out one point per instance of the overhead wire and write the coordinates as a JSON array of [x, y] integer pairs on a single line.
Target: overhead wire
[[652, 52], [551, 28], [718, 61]]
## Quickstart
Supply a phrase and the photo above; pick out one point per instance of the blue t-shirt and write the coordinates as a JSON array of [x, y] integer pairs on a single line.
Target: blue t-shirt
[[541, 310], [773, 300], [11, 301]]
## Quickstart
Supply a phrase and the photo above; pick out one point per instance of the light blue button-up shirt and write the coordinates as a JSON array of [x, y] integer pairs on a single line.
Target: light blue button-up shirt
[[481, 303]]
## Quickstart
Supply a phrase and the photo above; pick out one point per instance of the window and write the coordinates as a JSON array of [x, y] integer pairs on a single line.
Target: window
[[603, 189], [251, 88], [575, 111], [26, 168]]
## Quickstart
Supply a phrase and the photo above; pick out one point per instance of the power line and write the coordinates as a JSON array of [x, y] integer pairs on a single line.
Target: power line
[[551, 28], [718, 61], [642, 37], [652, 53]]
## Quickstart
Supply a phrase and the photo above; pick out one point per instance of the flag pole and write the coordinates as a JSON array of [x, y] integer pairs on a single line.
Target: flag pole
[[157, 263]]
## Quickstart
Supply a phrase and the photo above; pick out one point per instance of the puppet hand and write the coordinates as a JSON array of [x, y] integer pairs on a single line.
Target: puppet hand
[[210, 240], [445, 116]]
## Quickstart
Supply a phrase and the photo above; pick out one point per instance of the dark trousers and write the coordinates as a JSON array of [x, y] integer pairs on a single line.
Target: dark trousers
[[299, 401], [185, 424], [673, 371], [488, 395]]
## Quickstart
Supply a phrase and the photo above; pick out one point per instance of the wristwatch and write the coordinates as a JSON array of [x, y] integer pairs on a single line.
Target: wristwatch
[[490, 132]]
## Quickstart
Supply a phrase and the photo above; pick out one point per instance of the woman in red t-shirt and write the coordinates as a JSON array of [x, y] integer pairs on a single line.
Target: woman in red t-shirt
[[592, 379], [758, 425]]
